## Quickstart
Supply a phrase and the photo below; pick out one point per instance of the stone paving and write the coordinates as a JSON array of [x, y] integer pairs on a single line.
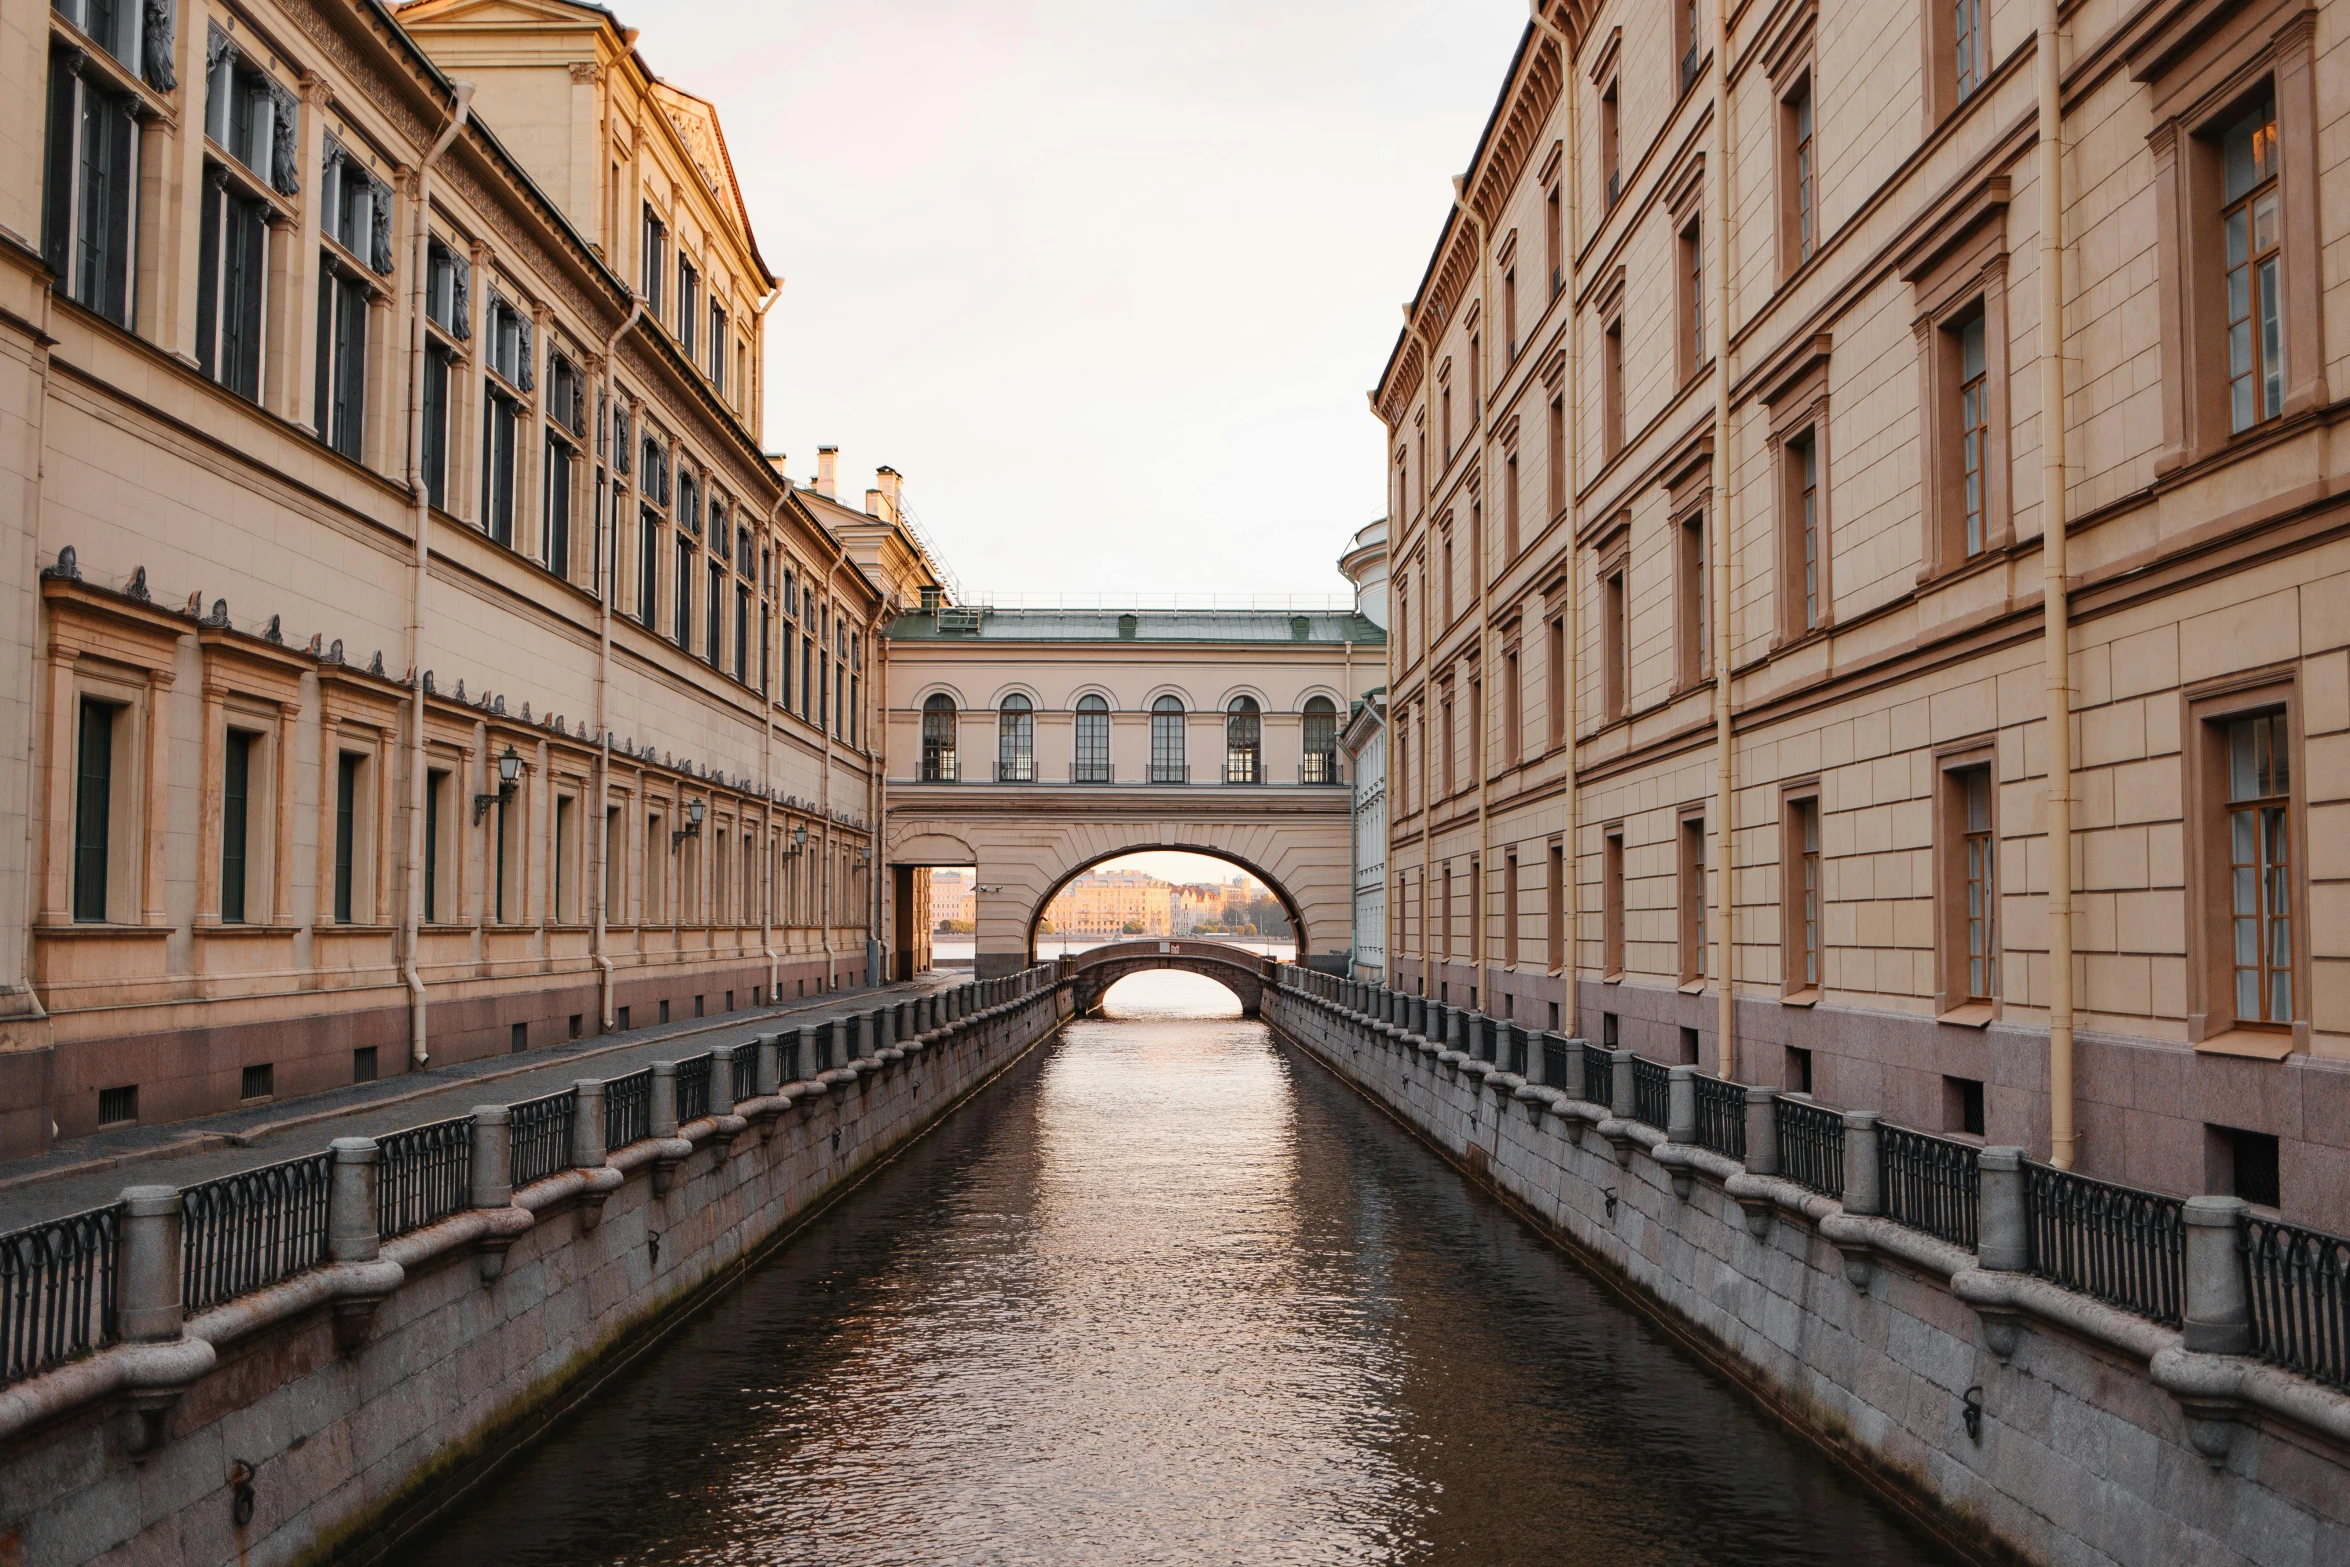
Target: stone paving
[[92, 1171]]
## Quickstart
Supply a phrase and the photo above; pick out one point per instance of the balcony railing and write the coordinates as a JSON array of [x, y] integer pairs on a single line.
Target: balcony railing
[[628, 1108], [1089, 772], [1241, 767], [1599, 1075], [1319, 767], [1015, 769], [1170, 772], [1652, 1092], [940, 769], [693, 1088]]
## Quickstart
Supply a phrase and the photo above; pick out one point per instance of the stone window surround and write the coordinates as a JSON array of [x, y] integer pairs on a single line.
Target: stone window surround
[[252, 686], [1795, 795], [1955, 268], [2212, 1027], [1684, 202], [1611, 902], [1555, 920], [1689, 842], [2199, 64], [1797, 400], [1614, 581], [452, 748], [1790, 66], [1939, 38], [1688, 498], [1608, 310], [1952, 760], [123, 651]]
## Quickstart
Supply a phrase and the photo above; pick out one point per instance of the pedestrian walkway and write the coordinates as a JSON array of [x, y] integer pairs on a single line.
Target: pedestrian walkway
[[91, 1171]]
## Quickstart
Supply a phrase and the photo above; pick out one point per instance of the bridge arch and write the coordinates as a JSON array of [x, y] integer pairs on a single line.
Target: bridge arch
[[1242, 972], [1272, 884]]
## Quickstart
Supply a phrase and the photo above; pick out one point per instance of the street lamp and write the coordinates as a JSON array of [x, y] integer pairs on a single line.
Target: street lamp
[[509, 774], [693, 823]]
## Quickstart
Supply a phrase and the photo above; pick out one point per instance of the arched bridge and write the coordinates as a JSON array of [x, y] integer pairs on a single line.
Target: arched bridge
[[1235, 968]]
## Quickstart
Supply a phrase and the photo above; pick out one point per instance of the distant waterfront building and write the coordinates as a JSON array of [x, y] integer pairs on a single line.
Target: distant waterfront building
[[1364, 741]]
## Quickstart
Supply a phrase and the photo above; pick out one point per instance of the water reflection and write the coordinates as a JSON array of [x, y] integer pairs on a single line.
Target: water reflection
[[1170, 1295]]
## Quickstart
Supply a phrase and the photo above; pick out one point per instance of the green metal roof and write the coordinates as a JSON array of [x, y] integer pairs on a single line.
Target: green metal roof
[[979, 623]]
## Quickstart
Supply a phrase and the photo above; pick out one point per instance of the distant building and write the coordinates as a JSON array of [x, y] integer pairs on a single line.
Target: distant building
[[1364, 743], [1113, 903]]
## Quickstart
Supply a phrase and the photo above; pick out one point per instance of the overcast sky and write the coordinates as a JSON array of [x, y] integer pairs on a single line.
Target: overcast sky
[[1106, 281]]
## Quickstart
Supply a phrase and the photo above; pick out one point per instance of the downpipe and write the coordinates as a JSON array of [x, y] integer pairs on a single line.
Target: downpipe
[[607, 983]]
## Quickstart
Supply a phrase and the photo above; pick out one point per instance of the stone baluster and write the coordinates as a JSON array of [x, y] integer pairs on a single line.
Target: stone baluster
[[722, 1079], [1864, 1183], [664, 1099], [587, 1124], [350, 1201], [149, 1304], [2218, 1314], [1762, 1131], [2002, 1241], [1681, 1106]]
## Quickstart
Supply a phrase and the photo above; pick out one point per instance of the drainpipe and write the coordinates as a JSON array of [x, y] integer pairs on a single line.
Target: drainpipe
[[877, 774], [1570, 896], [1480, 905], [2055, 603], [767, 765], [1427, 660], [1725, 759], [420, 522], [610, 566]]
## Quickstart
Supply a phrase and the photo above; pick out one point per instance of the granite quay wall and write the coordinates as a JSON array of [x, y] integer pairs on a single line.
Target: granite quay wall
[[2048, 1368], [303, 1362]]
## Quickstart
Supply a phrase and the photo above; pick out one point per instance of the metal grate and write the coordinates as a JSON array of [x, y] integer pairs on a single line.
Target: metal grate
[[1554, 1063], [628, 1109], [787, 1060], [57, 1291], [1599, 1076], [1721, 1116], [2300, 1298], [423, 1174], [746, 1071], [246, 1231], [1811, 1145], [1517, 1035], [1931, 1183], [540, 1130], [693, 1088], [2126, 1247], [1652, 1092], [824, 1047]]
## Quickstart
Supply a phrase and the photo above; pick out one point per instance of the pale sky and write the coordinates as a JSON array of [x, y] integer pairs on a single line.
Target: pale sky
[[1167, 864], [1107, 282]]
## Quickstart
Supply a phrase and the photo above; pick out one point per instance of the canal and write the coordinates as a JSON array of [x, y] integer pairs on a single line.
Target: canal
[[1171, 1293]]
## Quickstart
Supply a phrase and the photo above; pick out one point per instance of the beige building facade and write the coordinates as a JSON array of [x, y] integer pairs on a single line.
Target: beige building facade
[[1035, 744], [412, 652], [1734, 362]]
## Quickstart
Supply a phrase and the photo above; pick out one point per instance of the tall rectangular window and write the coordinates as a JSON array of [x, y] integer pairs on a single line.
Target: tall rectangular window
[[501, 424], [648, 569], [1554, 243], [342, 362], [1697, 602], [87, 225], [236, 779], [555, 507], [435, 783], [1804, 543], [1693, 927], [347, 765], [437, 364], [683, 587], [93, 816], [718, 347], [652, 258], [1611, 146], [1800, 215], [1981, 859], [1611, 872], [1555, 451], [1509, 911], [742, 635], [1974, 429], [1509, 508], [1509, 312], [1970, 54], [1611, 388], [2260, 868], [565, 879], [1692, 293], [1557, 699], [2254, 228], [232, 267], [1555, 909], [1615, 629], [1801, 867]]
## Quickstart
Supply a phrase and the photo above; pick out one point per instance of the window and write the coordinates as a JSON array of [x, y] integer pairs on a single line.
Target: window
[[1611, 873], [1979, 873], [1509, 911], [138, 37], [651, 258], [555, 505], [564, 872], [1611, 388], [1167, 765], [648, 568], [1962, 1105], [1554, 240], [342, 361], [232, 266], [1611, 150], [87, 233], [1692, 299], [363, 1064], [349, 766], [2260, 869], [1693, 904], [1805, 548], [1798, 1070], [1800, 867], [1973, 432], [1969, 51], [718, 346], [1451, 743], [1321, 741], [689, 304], [1243, 742], [1509, 507], [436, 790], [2254, 231], [1555, 695], [1015, 741], [1093, 741], [258, 1081], [682, 586], [93, 817], [1512, 704], [447, 280], [1799, 230], [236, 796], [1509, 312], [1615, 630], [1555, 450], [714, 612], [117, 1105], [438, 361], [1696, 602], [1555, 910], [355, 209], [742, 636], [2240, 1163]]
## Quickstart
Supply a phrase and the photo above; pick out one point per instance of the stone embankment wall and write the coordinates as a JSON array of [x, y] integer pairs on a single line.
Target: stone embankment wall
[[2024, 1420], [320, 1417]]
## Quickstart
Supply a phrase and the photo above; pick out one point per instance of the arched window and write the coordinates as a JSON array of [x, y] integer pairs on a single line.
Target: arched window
[[1167, 765], [1015, 741], [938, 739], [1093, 741], [1243, 742], [1321, 760]]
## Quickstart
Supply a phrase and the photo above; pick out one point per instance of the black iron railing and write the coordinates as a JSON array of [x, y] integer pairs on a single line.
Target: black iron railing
[[1554, 1063], [693, 1088], [540, 1132], [1517, 1061], [2300, 1298], [1721, 1116], [1811, 1145], [1485, 1039], [2126, 1247], [246, 1231], [1599, 1076], [746, 1071], [57, 1291], [1652, 1092], [628, 1109], [787, 1060], [1931, 1183], [423, 1175], [824, 1047]]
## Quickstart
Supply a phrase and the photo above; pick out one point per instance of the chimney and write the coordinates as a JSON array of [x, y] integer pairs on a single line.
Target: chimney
[[891, 487], [828, 471]]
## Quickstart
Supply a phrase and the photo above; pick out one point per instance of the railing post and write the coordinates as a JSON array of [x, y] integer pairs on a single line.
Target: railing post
[[2003, 1240], [2218, 1315], [147, 1281], [1681, 1105], [1762, 1131], [1864, 1185], [1626, 1092], [350, 1200], [885, 1033], [722, 1079], [664, 1099], [860, 1035], [492, 1184], [904, 1024], [587, 1124]]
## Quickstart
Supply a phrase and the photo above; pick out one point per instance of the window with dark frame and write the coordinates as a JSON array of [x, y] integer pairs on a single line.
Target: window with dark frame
[[1693, 900], [347, 766], [1611, 871], [1803, 185], [93, 817], [1969, 54], [2260, 869], [1320, 725], [938, 739], [232, 268], [2253, 230], [1167, 719], [1243, 742], [1980, 865], [1974, 430], [1093, 741], [1804, 459], [88, 236], [1803, 826], [1015, 755], [236, 778]]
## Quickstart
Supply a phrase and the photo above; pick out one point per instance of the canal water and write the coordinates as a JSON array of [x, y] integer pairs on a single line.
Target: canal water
[[1170, 1293]]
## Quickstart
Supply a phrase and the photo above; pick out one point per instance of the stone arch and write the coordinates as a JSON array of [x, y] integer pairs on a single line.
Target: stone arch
[[1011, 688], [931, 848], [1273, 884], [1242, 972]]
